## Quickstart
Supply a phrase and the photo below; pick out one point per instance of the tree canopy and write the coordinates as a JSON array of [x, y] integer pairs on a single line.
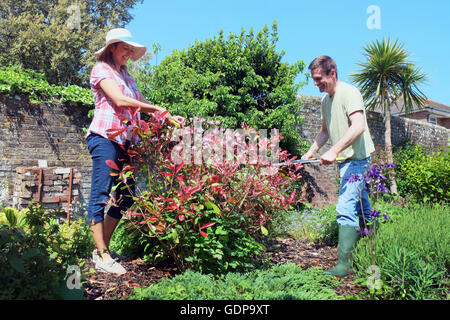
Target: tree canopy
[[234, 80], [58, 37]]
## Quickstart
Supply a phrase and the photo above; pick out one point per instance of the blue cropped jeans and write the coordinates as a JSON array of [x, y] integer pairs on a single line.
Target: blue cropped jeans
[[102, 149], [353, 198]]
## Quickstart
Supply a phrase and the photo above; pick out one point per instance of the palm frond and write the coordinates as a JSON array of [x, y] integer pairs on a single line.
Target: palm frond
[[386, 75]]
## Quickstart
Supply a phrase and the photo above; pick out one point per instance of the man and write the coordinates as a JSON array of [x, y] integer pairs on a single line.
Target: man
[[344, 123]]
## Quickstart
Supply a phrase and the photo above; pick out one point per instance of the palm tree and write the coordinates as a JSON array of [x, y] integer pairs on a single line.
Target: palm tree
[[385, 78]]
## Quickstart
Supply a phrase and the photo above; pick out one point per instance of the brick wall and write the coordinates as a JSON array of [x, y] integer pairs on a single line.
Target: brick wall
[[56, 188], [29, 133], [324, 181], [444, 122]]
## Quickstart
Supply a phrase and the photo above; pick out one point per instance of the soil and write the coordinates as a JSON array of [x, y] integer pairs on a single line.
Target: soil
[[104, 286]]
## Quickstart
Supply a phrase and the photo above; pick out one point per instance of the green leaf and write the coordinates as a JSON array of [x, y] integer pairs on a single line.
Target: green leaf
[[31, 253], [212, 206], [22, 220], [264, 231], [221, 231], [175, 237], [11, 217], [17, 264], [53, 255]]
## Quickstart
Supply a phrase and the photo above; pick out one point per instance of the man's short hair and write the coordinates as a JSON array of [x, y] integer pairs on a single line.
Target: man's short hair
[[325, 63]]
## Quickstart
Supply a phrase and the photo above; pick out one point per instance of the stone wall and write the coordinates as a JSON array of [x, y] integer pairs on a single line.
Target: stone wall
[[54, 133], [324, 181], [431, 137]]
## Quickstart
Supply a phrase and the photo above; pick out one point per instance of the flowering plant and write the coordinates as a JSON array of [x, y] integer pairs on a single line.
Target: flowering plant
[[205, 205], [376, 178], [373, 183]]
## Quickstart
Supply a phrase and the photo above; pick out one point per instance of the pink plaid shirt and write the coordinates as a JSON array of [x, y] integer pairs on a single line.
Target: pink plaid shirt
[[105, 109]]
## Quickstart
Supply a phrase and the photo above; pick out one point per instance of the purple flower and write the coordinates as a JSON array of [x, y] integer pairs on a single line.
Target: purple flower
[[389, 165], [386, 217], [374, 172], [364, 232], [382, 188], [374, 213], [353, 178]]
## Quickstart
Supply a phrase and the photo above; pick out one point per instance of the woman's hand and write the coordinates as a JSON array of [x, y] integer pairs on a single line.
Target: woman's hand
[[113, 91], [177, 121]]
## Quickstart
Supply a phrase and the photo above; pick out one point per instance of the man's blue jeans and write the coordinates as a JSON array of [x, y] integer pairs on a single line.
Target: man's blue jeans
[[102, 149], [352, 192]]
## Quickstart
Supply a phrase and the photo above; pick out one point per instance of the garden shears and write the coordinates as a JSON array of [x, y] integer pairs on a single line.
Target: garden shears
[[303, 162]]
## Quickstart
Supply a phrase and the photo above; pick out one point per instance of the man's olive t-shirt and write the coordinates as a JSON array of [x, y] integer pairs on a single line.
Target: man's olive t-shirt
[[336, 111]]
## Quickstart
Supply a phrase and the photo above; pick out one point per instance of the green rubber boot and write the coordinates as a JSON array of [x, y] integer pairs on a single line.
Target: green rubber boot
[[348, 236]]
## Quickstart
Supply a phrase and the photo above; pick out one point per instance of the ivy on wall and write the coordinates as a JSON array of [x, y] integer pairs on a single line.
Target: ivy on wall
[[16, 79]]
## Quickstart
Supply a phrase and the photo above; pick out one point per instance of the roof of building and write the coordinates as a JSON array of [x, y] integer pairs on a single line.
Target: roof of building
[[430, 106]]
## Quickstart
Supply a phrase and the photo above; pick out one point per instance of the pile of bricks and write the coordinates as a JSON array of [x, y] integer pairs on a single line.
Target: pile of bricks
[[50, 186]]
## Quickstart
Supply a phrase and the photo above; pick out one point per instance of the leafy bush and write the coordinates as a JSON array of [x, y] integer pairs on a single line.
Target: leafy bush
[[19, 80], [73, 243], [425, 177], [412, 253], [283, 282], [129, 241], [35, 252], [206, 216], [234, 80], [312, 224]]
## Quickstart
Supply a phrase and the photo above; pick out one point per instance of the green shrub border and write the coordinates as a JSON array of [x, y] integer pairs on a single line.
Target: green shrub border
[[282, 282]]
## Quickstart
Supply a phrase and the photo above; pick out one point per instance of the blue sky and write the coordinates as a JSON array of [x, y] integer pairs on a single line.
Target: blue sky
[[307, 29]]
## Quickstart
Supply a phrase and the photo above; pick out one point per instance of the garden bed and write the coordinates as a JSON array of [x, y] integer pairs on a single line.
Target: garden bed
[[103, 286]]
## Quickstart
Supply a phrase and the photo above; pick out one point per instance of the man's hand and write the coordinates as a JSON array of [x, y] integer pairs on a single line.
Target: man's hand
[[319, 141], [328, 157]]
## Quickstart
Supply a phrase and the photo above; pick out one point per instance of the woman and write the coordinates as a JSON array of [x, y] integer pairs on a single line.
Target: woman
[[115, 92]]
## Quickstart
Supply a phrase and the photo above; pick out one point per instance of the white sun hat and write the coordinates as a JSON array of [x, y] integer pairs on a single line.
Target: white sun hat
[[123, 35]]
